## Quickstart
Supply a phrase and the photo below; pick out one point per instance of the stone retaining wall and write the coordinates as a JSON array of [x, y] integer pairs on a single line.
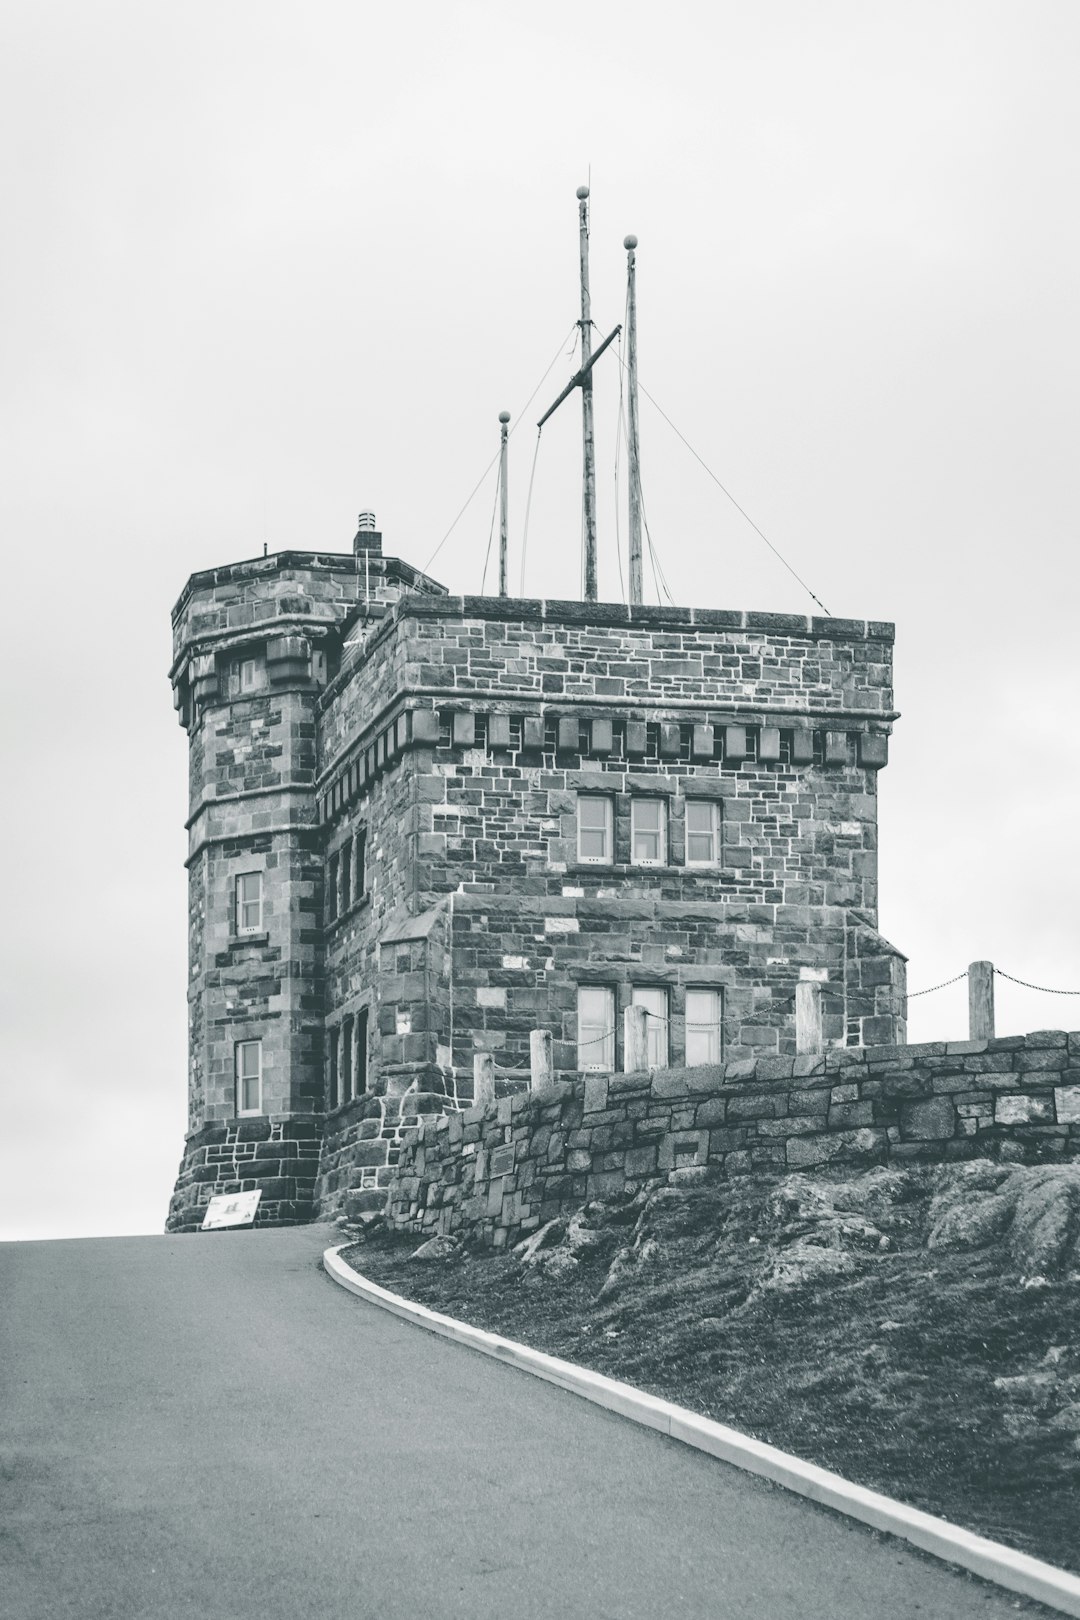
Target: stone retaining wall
[[495, 1174]]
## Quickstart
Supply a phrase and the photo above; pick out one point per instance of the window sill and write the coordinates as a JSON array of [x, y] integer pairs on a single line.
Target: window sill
[[636, 868], [261, 938], [350, 911]]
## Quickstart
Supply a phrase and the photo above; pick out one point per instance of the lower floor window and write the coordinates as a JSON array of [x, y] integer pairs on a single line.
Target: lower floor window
[[596, 1027], [655, 1002], [702, 1027], [249, 1077]]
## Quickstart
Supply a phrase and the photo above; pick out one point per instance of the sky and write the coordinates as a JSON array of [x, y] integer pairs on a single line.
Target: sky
[[267, 264]]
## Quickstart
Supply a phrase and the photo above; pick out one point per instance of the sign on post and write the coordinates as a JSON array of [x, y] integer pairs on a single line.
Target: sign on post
[[231, 1209]]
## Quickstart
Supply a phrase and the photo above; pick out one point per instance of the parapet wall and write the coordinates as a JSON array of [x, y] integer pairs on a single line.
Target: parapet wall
[[495, 1174]]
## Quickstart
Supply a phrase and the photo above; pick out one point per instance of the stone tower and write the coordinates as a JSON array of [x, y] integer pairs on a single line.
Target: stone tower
[[422, 826]]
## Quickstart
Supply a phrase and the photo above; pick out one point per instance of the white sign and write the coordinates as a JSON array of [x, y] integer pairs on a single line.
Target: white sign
[[231, 1209]]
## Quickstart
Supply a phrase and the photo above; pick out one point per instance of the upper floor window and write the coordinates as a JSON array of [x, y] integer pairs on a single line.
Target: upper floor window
[[249, 903], [702, 832], [248, 674], [648, 831], [332, 888], [702, 1027], [346, 876], [596, 1026], [655, 1002], [248, 1060], [595, 828], [360, 865]]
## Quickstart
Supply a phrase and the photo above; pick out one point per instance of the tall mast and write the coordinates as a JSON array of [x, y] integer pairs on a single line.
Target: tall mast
[[588, 445], [504, 420], [636, 580]]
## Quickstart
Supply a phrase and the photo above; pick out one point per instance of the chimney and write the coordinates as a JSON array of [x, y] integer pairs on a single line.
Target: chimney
[[368, 537]]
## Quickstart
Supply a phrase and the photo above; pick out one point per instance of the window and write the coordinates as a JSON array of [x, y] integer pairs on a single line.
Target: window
[[655, 1002], [702, 832], [247, 675], [360, 865], [596, 1027], [648, 831], [595, 819], [346, 876], [702, 1027], [249, 1077], [331, 888], [249, 903], [346, 1060], [332, 1087], [361, 1051]]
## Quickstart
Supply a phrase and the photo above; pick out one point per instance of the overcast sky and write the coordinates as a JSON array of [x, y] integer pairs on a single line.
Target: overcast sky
[[266, 264]]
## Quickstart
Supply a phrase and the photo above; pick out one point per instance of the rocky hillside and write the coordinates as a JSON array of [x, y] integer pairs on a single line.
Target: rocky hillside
[[917, 1329]]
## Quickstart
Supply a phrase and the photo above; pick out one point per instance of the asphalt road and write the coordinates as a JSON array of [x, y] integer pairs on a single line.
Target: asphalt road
[[207, 1426]]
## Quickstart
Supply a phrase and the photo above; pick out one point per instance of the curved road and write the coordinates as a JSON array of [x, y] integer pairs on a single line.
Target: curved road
[[208, 1427]]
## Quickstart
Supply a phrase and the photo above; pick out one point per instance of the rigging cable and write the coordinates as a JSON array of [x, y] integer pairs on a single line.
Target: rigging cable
[[491, 533], [528, 508], [495, 457], [724, 489]]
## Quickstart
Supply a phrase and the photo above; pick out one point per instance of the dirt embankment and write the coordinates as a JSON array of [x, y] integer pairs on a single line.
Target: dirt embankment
[[916, 1330]]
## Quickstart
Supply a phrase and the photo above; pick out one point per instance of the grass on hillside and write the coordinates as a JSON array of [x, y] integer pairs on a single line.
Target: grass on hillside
[[884, 1372]]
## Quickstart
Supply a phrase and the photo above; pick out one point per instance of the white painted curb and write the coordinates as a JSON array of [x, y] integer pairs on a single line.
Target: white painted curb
[[1013, 1570]]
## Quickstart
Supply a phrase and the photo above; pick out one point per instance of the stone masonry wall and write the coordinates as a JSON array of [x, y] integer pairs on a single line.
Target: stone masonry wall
[[280, 1156], [494, 1175]]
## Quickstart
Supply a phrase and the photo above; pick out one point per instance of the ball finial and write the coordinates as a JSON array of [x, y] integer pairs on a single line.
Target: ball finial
[[583, 192], [629, 242], [504, 417]]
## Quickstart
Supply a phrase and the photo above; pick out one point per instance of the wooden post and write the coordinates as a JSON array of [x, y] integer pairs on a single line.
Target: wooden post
[[541, 1068], [504, 420], [808, 1035], [483, 1085], [588, 442], [637, 583], [635, 1040], [981, 1001]]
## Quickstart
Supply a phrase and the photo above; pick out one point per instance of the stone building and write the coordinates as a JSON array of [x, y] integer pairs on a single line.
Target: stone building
[[422, 825]]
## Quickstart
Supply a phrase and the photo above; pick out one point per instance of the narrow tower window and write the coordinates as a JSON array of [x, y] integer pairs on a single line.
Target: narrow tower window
[[332, 1066], [595, 818], [346, 1060], [655, 1002], [248, 1077], [702, 832], [648, 831], [596, 1027], [361, 1051], [249, 904], [346, 876], [702, 1027]]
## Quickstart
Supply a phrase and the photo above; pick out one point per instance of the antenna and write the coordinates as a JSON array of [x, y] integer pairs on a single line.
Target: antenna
[[636, 580], [504, 434], [588, 443]]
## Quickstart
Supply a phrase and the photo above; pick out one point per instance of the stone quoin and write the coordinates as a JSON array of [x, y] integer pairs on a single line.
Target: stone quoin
[[422, 826]]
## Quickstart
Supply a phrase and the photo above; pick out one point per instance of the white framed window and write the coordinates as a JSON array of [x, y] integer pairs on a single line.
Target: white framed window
[[648, 831], [655, 1001], [248, 674], [249, 903], [249, 1077], [702, 832], [595, 828], [703, 1011], [596, 1026]]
